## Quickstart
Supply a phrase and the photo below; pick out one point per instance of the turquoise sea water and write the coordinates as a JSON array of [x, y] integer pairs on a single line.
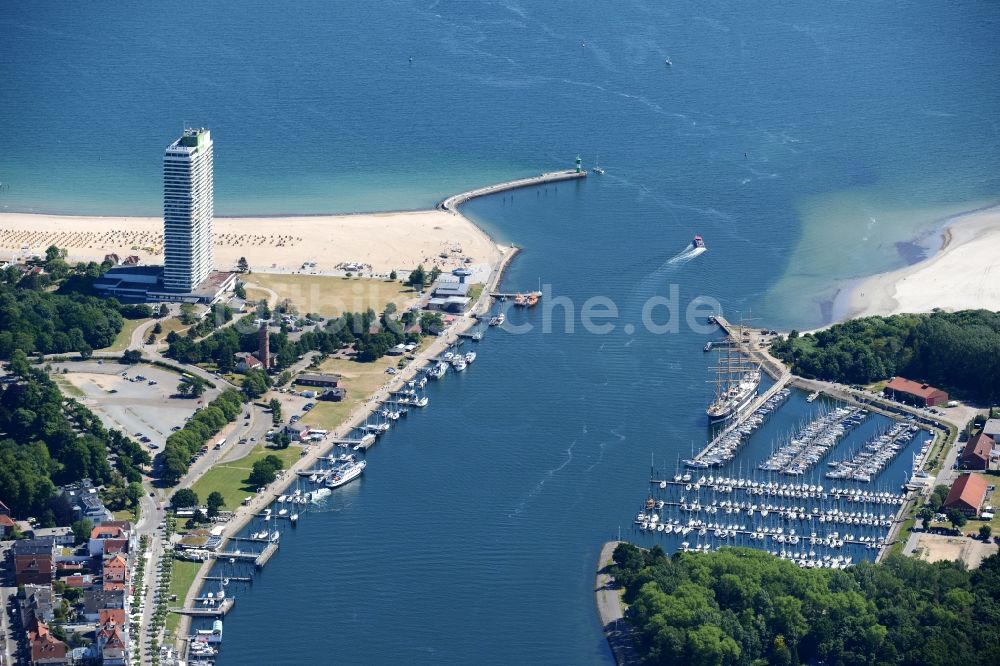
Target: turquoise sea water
[[802, 141]]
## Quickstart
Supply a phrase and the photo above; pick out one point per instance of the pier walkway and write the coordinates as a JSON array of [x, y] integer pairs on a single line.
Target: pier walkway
[[769, 364], [609, 606], [452, 203], [757, 403], [210, 611]]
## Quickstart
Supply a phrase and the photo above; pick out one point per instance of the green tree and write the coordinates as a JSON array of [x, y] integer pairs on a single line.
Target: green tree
[[81, 530], [187, 314], [985, 532], [255, 383], [240, 290], [184, 497], [275, 406], [392, 274], [956, 518], [243, 265], [86, 351], [132, 356], [164, 310], [19, 363], [191, 386], [417, 278], [215, 502], [157, 328]]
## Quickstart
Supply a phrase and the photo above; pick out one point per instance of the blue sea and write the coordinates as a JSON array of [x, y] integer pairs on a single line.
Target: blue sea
[[810, 144]]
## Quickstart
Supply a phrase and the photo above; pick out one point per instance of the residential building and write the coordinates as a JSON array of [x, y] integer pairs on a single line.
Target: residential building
[[96, 598], [61, 536], [967, 494], [992, 429], [46, 649], [246, 361], [922, 395], [34, 561], [38, 604], [112, 641], [86, 502], [976, 454], [7, 523], [188, 211]]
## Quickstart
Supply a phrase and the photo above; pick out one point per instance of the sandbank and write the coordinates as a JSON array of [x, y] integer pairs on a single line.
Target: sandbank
[[378, 242], [963, 275]]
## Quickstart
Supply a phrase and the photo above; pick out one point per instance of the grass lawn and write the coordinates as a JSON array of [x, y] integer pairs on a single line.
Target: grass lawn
[[330, 295], [125, 335], [230, 478], [171, 324], [181, 578], [67, 387], [360, 380]]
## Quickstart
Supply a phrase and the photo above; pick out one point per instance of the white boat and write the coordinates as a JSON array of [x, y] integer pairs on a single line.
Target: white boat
[[346, 474], [421, 402], [597, 167], [470, 357], [498, 320], [459, 364]]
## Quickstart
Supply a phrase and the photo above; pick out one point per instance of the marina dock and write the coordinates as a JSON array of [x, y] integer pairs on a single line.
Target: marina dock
[[208, 611], [452, 203]]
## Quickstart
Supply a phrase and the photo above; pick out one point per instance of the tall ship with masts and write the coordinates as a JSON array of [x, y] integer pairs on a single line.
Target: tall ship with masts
[[737, 380]]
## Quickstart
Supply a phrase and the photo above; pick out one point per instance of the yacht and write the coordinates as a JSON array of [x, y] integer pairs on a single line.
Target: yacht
[[459, 364], [470, 357], [698, 242], [346, 474]]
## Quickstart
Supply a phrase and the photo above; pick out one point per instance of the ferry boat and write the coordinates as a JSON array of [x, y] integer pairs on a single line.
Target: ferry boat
[[346, 474], [698, 242]]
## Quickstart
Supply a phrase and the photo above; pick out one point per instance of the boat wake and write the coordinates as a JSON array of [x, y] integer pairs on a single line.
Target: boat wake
[[687, 255]]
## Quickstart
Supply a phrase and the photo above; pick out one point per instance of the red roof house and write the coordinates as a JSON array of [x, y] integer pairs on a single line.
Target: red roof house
[[908, 390], [967, 494], [976, 454], [45, 648]]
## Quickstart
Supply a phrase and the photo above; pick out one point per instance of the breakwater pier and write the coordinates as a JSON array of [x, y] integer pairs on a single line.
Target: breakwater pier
[[452, 203]]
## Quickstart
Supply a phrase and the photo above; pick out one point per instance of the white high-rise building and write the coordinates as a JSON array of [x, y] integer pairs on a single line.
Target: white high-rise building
[[188, 211]]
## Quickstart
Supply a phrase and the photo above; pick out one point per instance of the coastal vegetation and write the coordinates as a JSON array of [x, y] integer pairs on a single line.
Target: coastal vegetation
[[331, 296], [956, 351], [371, 337], [231, 480], [182, 445], [50, 440], [744, 606]]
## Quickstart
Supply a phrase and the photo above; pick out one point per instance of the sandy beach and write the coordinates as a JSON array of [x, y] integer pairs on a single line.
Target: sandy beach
[[964, 274], [380, 242]]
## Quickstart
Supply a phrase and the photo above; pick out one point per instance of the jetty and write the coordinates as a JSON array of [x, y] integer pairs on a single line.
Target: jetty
[[723, 447], [452, 203], [208, 611]]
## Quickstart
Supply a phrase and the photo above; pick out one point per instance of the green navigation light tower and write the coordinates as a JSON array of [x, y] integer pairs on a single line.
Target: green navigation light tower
[[579, 164]]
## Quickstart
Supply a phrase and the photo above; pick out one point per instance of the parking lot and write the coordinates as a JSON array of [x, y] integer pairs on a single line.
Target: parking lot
[[142, 408]]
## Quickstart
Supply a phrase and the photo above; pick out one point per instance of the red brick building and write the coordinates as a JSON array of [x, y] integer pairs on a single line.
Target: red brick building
[[907, 390], [967, 494], [976, 454]]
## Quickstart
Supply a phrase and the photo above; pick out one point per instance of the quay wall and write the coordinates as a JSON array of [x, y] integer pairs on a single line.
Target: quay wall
[[245, 514]]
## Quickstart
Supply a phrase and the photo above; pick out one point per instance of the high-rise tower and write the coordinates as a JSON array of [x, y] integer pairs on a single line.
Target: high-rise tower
[[188, 210]]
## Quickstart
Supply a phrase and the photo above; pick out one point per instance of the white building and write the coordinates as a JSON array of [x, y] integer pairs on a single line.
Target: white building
[[188, 211]]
